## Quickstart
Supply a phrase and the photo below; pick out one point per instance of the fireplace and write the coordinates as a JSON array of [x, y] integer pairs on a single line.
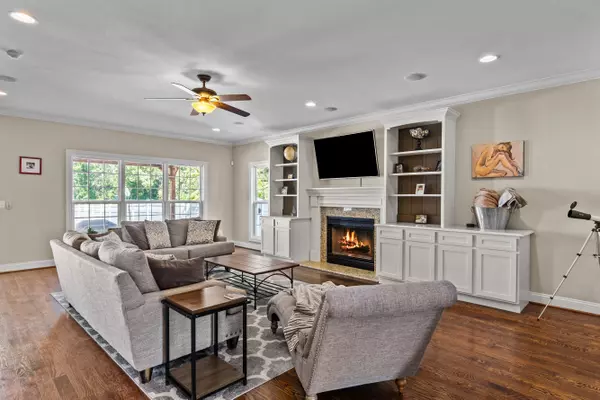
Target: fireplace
[[350, 241]]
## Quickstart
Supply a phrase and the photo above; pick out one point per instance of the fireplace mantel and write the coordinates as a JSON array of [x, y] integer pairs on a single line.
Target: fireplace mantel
[[358, 197]]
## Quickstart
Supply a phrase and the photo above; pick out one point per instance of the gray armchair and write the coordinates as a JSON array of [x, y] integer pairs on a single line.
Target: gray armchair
[[365, 334]]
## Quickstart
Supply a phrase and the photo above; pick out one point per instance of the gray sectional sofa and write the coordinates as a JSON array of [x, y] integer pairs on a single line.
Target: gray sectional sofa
[[131, 321]]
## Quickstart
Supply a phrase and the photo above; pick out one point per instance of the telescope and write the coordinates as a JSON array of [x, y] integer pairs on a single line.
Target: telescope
[[581, 215]]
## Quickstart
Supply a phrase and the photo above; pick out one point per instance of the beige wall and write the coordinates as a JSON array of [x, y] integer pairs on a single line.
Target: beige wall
[[39, 202], [243, 156], [561, 127]]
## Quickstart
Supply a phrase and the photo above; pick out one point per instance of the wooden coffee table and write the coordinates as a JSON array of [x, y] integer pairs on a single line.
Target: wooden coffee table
[[203, 376], [244, 269]]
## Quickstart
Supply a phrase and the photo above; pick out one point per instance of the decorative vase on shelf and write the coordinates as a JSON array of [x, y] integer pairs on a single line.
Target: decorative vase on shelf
[[294, 210], [419, 134]]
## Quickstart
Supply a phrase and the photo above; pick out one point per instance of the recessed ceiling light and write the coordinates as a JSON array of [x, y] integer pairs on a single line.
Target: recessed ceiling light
[[23, 17], [216, 130], [488, 58], [415, 76], [310, 104], [3, 93]]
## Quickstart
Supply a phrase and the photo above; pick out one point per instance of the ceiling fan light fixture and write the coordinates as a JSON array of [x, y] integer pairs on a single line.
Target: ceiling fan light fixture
[[203, 106], [23, 17]]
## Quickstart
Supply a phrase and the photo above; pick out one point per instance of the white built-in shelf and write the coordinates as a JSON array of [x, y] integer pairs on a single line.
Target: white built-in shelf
[[286, 195], [286, 180], [290, 164], [416, 152], [415, 195], [417, 173]]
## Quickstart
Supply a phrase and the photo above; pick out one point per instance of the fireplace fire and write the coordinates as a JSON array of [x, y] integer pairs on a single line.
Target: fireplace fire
[[350, 241]]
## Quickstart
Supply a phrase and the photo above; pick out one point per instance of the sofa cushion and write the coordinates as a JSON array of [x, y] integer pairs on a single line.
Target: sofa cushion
[[178, 229], [135, 232], [75, 239], [130, 260], [157, 234], [160, 257], [91, 248], [176, 273], [181, 253], [201, 232], [210, 250], [110, 236]]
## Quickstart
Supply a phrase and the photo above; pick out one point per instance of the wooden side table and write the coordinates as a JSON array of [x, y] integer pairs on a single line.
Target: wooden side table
[[204, 376]]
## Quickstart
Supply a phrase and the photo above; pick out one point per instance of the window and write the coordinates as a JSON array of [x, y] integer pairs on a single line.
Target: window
[[259, 197], [106, 189]]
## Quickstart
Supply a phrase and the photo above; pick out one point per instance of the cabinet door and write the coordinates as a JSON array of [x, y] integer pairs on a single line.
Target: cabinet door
[[455, 264], [496, 275], [282, 242], [389, 258], [419, 261], [267, 239]]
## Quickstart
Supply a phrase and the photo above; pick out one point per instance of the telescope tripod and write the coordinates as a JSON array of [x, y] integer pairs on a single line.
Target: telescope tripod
[[595, 232]]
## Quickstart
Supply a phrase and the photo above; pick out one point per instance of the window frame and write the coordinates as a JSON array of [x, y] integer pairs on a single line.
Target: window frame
[[253, 202], [122, 202]]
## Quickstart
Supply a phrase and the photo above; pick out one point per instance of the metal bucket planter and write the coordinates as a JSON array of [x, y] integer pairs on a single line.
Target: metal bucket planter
[[492, 218]]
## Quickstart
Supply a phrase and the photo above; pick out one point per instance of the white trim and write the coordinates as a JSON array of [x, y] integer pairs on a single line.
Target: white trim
[[517, 88], [247, 245], [357, 197], [122, 158], [22, 266], [108, 126], [566, 302]]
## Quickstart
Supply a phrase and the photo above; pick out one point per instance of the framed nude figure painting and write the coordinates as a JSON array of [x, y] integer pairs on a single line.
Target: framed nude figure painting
[[497, 160]]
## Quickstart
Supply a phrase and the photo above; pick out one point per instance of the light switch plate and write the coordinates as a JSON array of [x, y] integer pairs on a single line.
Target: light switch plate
[[2, 204]]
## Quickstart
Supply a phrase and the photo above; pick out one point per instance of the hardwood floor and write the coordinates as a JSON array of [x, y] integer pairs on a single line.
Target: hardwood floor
[[476, 353]]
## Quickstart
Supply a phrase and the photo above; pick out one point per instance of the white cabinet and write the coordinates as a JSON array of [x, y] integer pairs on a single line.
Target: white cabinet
[[455, 264], [286, 237], [389, 258], [496, 274], [419, 261], [487, 268], [282, 242]]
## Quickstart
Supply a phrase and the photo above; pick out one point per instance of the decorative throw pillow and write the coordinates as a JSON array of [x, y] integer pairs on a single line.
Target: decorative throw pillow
[[157, 234], [218, 221], [161, 257], [91, 248], [75, 239], [110, 236], [136, 234], [130, 260], [201, 232], [176, 273], [178, 229]]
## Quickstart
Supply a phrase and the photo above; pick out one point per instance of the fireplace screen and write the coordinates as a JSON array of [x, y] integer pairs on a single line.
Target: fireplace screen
[[350, 242]]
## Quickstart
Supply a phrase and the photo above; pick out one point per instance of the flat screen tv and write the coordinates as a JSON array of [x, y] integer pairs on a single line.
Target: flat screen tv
[[349, 156]]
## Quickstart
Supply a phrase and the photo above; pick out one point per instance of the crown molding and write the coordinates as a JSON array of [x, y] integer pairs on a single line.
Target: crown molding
[[113, 127], [517, 88]]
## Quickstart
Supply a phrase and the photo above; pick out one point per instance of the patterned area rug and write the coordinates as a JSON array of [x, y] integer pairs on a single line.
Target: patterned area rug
[[268, 357]]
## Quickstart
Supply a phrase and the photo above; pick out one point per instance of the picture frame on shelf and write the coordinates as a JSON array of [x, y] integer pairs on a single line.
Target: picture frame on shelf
[[398, 168], [420, 219], [290, 176], [284, 190], [30, 165], [420, 189]]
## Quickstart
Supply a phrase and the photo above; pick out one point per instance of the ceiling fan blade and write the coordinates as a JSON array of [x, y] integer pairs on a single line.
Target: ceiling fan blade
[[168, 98], [229, 108], [185, 89], [234, 97], [194, 112]]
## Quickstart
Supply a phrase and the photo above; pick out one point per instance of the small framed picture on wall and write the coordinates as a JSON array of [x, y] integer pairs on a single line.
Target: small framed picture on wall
[[30, 165]]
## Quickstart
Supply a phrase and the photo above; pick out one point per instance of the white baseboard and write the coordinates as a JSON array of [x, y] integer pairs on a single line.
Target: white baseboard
[[566, 302], [26, 265], [247, 245]]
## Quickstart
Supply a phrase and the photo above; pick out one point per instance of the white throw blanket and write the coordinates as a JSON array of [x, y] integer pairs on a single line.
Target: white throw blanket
[[308, 299]]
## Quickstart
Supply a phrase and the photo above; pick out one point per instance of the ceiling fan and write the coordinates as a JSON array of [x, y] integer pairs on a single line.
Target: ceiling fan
[[205, 100]]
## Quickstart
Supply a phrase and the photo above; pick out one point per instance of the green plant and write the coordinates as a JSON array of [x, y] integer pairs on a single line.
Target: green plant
[[91, 231]]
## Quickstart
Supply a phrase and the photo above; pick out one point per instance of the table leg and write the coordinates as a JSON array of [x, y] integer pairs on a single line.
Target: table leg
[[255, 292], [245, 343], [166, 344], [193, 358], [216, 333]]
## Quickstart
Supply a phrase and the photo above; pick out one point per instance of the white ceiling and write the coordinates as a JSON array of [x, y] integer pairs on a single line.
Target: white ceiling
[[94, 61]]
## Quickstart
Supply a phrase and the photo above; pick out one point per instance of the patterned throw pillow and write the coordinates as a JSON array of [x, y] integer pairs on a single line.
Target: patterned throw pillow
[[201, 232], [157, 234]]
